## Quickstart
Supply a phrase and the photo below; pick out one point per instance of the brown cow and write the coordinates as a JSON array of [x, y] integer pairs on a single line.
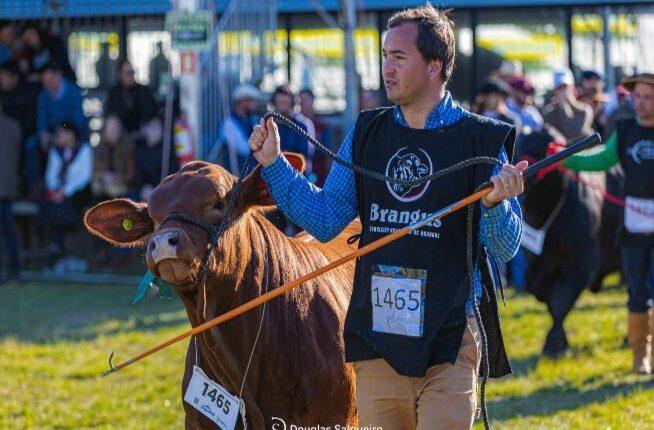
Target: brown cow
[[298, 371]]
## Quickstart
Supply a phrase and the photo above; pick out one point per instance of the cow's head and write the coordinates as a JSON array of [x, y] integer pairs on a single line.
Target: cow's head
[[536, 146], [175, 249]]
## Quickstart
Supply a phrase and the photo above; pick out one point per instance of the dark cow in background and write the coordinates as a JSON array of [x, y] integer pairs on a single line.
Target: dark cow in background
[[298, 373], [570, 257]]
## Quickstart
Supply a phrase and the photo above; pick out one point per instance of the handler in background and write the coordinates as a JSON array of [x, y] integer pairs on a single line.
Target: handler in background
[[632, 145], [410, 330]]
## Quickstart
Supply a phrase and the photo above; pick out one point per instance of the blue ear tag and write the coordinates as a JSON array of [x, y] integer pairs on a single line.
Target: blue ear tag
[[144, 286]]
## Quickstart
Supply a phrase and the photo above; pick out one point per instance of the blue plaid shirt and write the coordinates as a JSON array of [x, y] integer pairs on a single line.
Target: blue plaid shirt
[[325, 212]]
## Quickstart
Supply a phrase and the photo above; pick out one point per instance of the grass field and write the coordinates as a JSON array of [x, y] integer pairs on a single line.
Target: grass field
[[54, 341]]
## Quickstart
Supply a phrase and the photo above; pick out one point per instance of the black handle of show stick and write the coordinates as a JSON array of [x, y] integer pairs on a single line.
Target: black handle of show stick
[[580, 145]]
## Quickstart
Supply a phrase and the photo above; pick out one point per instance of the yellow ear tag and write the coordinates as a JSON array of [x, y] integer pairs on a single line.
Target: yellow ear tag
[[127, 224]]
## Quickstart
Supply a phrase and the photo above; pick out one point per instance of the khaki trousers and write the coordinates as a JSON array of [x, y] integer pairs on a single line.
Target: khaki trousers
[[445, 398]]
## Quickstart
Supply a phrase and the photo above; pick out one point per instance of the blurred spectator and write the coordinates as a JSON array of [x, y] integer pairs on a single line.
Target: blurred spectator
[[571, 118], [18, 99], [283, 101], [509, 70], [67, 178], [148, 156], [131, 101], [113, 168], [623, 109], [521, 103], [596, 98], [321, 161], [59, 101], [590, 81], [11, 146], [491, 102], [105, 67], [159, 73], [7, 37], [41, 48], [236, 129]]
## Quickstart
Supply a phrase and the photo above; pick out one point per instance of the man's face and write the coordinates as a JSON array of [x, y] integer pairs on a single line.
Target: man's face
[[51, 80], [127, 75], [64, 138], [306, 102], [7, 35], [283, 104], [493, 101], [520, 97], [8, 81], [643, 99], [406, 73], [246, 106]]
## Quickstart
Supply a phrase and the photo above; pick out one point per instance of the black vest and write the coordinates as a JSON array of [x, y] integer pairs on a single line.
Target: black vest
[[436, 253], [636, 152]]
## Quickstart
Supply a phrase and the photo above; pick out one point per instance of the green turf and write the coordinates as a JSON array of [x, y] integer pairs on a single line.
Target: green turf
[[54, 341]]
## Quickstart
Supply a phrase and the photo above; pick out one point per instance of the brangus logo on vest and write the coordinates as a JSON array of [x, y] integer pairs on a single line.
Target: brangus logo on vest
[[393, 216]]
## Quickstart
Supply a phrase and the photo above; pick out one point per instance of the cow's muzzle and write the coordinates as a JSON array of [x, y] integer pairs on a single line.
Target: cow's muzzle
[[163, 246]]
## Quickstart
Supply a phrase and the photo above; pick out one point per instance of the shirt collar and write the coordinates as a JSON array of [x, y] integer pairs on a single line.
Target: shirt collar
[[436, 117]]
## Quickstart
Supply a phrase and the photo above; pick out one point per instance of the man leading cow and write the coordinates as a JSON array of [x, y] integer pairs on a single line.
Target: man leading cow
[[410, 329]]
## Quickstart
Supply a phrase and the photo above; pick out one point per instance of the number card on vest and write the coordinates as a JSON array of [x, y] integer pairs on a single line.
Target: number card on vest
[[639, 215], [532, 238], [398, 300], [212, 400]]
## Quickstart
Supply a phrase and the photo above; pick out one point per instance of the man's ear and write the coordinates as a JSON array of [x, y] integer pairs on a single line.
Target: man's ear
[[254, 190], [434, 68], [120, 222]]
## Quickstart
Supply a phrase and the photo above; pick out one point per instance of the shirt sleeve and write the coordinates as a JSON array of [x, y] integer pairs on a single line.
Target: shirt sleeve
[[597, 161], [325, 212], [500, 226]]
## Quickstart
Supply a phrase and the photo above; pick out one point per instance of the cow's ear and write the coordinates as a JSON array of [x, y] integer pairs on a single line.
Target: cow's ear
[[254, 191], [121, 222], [296, 160]]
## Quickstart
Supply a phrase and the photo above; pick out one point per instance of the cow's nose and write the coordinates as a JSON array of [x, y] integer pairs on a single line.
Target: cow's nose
[[163, 246]]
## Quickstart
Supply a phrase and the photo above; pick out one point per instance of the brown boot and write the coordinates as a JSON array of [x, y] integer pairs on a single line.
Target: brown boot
[[651, 339], [637, 335]]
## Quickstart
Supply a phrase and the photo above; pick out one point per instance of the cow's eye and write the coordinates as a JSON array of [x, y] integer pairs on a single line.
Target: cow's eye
[[220, 205]]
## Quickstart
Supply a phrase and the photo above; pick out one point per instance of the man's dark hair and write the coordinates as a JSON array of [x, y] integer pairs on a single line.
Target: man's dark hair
[[308, 92], [11, 66], [435, 34], [283, 90], [51, 66]]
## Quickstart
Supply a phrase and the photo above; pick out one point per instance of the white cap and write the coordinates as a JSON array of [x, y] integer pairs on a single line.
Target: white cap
[[510, 68], [563, 77], [245, 91]]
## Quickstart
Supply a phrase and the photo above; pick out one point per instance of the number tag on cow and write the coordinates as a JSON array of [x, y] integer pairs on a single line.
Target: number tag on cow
[[398, 300], [212, 400], [532, 239], [639, 215]]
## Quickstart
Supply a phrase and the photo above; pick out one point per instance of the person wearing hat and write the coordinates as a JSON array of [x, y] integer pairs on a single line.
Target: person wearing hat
[[632, 146], [491, 102], [568, 116], [521, 103], [238, 126]]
